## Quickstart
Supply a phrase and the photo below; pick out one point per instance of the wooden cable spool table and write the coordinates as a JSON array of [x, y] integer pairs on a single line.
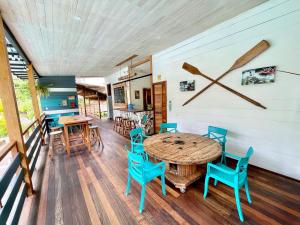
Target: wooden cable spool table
[[183, 153]]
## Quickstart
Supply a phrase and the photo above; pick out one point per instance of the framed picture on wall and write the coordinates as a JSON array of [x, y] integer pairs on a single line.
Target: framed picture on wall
[[137, 94], [64, 102], [259, 76], [187, 85]]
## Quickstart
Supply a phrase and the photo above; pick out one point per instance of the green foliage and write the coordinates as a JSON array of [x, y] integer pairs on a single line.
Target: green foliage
[[3, 130], [23, 98], [1, 106], [42, 90], [24, 102]]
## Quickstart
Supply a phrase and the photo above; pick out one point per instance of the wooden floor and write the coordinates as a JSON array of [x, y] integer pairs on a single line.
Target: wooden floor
[[88, 188]]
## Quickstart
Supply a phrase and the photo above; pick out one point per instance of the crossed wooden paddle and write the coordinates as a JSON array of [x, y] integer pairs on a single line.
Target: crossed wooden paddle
[[244, 59]]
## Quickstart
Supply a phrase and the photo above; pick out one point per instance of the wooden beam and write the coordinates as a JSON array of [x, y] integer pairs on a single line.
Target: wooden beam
[[92, 96], [126, 60], [147, 59], [34, 98], [11, 112]]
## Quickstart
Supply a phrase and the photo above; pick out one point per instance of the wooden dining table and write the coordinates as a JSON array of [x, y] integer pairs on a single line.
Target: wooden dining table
[[183, 153], [81, 121]]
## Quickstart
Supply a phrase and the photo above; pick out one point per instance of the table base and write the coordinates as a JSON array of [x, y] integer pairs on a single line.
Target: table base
[[183, 175]]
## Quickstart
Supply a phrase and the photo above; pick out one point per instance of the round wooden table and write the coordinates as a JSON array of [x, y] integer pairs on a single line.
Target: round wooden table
[[183, 154]]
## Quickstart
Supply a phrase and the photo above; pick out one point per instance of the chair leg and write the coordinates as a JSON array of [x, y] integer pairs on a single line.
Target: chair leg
[[215, 182], [223, 158], [247, 191], [101, 141], [206, 186], [128, 185], [63, 139], [98, 136], [163, 185], [142, 198], [238, 203]]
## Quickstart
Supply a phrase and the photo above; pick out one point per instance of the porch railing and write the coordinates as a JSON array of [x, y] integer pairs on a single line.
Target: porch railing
[[12, 186]]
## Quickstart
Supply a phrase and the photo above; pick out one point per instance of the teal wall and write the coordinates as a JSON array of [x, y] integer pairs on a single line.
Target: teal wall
[[54, 100]]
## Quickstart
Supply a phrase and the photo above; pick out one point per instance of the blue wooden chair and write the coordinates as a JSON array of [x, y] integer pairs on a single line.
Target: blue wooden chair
[[69, 114], [168, 128], [218, 134], [137, 138], [54, 122], [236, 179], [144, 171]]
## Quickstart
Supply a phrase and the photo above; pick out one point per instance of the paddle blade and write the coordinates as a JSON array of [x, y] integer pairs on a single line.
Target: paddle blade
[[191, 69], [251, 54]]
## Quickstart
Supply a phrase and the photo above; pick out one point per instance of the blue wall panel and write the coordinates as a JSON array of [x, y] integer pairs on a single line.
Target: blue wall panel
[[57, 96]]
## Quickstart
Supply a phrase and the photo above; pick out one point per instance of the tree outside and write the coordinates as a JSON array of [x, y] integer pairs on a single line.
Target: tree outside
[[24, 105]]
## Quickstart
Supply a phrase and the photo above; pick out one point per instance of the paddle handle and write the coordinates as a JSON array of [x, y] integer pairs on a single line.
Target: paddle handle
[[204, 89], [235, 92]]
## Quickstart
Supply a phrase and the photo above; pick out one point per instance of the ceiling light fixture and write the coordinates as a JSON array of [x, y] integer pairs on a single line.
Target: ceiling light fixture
[[77, 18]]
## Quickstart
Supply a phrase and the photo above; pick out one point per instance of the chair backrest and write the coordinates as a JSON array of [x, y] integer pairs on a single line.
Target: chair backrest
[[217, 132], [136, 135], [242, 164], [168, 128], [136, 165]]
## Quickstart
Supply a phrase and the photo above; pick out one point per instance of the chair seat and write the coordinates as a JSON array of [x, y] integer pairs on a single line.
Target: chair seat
[[93, 127], [138, 148], [226, 178], [56, 132], [152, 172]]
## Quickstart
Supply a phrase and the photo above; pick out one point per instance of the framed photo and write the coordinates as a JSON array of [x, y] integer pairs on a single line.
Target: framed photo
[[187, 85], [259, 76], [71, 97], [137, 94], [64, 102]]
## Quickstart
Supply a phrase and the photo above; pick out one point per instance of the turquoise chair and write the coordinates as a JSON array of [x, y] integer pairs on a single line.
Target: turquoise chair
[[235, 178], [55, 122], [69, 114], [144, 171], [168, 128], [137, 138], [218, 134]]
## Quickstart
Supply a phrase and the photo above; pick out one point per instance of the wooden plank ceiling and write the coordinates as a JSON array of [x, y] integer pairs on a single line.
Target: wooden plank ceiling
[[89, 37]]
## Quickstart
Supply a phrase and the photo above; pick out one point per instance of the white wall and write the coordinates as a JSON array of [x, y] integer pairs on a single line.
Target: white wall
[[138, 85], [135, 85], [274, 133]]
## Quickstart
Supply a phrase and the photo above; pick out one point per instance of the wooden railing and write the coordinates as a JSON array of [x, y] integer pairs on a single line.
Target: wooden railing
[[12, 186]]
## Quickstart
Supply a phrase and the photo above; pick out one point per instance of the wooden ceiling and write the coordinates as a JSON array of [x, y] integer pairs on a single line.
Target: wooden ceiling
[[89, 37]]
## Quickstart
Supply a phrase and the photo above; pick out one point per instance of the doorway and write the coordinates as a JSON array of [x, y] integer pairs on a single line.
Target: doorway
[[110, 112], [160, 104], [146, 98]]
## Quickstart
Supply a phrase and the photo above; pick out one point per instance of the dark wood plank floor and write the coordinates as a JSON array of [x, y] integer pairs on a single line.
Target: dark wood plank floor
[[88, 188]]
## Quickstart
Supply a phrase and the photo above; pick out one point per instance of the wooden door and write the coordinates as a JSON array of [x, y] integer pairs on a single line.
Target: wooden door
[[160, 104]]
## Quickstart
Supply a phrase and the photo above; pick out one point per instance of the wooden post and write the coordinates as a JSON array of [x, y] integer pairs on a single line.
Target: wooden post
[[151, 79], [84, 101], [11, 112], [99, 103], [35, 103]]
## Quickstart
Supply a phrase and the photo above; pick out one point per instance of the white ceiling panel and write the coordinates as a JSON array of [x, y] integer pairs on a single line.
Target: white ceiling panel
[[89, 37]]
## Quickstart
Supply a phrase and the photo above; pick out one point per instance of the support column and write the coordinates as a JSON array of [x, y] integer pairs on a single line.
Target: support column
[[151, 71], [35, 103], [84, 101], [11, 112], [99, 103]]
